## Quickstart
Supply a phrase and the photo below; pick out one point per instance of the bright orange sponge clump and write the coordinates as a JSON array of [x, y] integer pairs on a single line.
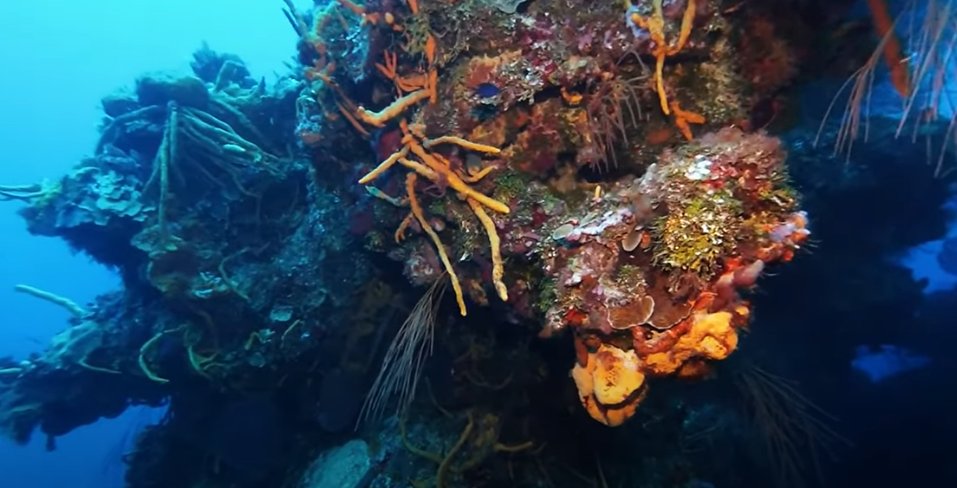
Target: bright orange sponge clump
[[610, 384], [711, 337], [611, 381]]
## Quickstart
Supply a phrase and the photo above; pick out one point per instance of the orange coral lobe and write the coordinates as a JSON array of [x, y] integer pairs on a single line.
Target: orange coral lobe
[[430, 48], [684, 118], [571, 98], [711, 337], [433, 86]]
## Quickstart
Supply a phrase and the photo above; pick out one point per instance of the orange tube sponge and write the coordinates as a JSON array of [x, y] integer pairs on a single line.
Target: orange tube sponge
[[498, 269], [410, 180], [392, 111]]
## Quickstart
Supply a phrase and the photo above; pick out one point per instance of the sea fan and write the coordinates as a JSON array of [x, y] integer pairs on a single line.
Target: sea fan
[[402, 367]]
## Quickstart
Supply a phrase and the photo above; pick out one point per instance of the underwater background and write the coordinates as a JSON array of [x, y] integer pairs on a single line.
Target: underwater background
[[61, 57], [478, 243]]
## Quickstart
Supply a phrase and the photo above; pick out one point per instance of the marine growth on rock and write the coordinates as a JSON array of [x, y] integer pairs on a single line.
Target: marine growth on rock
[[600, 178]]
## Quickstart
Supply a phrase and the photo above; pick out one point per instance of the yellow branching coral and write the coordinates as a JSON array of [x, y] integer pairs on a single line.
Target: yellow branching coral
[[403, 83], [498, 270], [471, 146], [655, 25], [452, 178], [419, 215], [393, 110], [415, 155], [384, 165], [438, 170], [141, 359], [66, 303], [684, 118]]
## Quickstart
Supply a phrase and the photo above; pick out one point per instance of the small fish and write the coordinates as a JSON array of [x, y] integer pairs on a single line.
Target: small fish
[[487, 90]]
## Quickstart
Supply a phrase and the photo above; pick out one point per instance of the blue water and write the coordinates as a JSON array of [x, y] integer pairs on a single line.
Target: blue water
[[59, 58]]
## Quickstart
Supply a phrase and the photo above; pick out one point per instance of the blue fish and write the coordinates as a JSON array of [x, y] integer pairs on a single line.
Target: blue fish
[[487, 90]]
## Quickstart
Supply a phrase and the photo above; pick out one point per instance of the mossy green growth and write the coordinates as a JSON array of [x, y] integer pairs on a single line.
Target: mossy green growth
[[629, 276], [416, 32], [50, 191], [510, 184], [697, 232], [549, 202], [437, 207], [547, 295]]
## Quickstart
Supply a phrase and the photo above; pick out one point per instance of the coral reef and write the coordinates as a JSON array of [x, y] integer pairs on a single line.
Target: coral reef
[[708, 216], [598, 182]]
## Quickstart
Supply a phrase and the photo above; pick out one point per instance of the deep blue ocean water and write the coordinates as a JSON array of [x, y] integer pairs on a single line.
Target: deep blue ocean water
[[59, 59]]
